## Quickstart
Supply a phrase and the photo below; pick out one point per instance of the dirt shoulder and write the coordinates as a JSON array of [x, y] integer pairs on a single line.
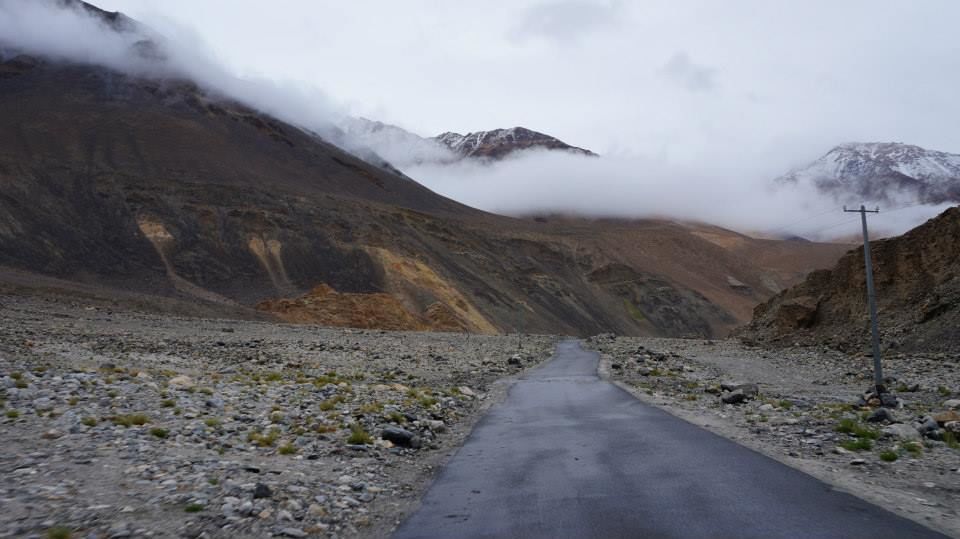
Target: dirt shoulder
[[805, 398], [123, 423]]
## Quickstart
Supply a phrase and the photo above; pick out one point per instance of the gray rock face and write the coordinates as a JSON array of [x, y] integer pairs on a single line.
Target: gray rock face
[[902, 431]]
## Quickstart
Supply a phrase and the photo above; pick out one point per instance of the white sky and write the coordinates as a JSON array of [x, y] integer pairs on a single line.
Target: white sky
[[683, 81]]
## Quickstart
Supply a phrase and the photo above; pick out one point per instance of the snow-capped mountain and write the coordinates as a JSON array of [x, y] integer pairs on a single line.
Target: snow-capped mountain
[[499, 143], [883, 172], [403, 148]]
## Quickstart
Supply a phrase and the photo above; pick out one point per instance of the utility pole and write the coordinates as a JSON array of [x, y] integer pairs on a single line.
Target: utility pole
[[871, 299]]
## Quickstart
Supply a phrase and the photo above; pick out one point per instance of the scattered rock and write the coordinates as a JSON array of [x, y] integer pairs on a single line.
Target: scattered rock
[[400, 437], [881, 415], [734, 397], [261, 491], [902, 431]]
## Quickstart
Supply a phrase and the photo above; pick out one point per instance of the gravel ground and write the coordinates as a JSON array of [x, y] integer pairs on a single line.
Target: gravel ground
[[803, 407], [126, 424]]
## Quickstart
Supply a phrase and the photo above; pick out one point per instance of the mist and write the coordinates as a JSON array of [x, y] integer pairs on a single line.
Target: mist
[[705, 182], [740, 196], [161, 50]]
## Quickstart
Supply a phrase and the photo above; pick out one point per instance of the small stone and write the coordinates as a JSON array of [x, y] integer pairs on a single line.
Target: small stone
[[514, 360], [400, 437], [734, 397], [952, 404], [293, 532], [902, 431], [857, 462], [766, 407], [841, 451], [952, 426], [466, 391], [881, 415], [261, 491]]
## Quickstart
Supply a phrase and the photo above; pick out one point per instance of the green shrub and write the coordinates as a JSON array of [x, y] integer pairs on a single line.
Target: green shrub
[[287, 449], [168, 403], [852, 427], [889, 456], [159, 432], [59, 532], [860, 444], [194, 508], [358, 436], [128, 420], [12, 414], [89, 421]]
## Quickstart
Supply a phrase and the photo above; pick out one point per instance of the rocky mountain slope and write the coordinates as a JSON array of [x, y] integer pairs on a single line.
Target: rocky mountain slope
[[917, 279], [500, 143], [883, 172], [154, 186]]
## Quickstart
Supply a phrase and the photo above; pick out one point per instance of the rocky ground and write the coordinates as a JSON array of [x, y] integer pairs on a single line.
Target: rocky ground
[[806, 407], [125, 424]]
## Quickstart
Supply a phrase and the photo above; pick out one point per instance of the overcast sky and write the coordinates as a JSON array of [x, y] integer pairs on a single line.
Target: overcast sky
[[681, 81]]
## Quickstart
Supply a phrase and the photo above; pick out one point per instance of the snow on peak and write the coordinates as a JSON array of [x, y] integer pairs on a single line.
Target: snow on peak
[[882, 172]]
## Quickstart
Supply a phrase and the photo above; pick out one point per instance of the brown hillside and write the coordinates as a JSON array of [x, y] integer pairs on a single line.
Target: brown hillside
[[917, 279], [155, 187]]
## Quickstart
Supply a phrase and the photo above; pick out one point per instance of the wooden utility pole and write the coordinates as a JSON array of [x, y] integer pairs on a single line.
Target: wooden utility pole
[[871, 299]]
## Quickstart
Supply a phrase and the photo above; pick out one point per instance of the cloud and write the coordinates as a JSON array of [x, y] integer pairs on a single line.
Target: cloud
[[741, 198], [566, 21], [689, 75], [67, 32]]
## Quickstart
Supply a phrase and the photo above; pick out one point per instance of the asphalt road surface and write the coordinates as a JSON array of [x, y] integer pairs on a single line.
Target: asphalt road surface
[[569, 455]]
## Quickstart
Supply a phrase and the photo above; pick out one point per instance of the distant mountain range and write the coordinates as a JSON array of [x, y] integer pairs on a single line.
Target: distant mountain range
[[500, 143], [883, 172], [159, 188], [401, 147]]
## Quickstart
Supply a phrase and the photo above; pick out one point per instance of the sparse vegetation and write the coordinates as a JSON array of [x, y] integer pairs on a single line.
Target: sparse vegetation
[[59, 532], [89, 421], [159, 432], [194, 508], [853, 428], [287, 449], [889, 455], [129, 420], [860, 444], [914, 448], [358, 436], [168, 403], [211, 422], [264, 440], [951, 440], [12, 414]]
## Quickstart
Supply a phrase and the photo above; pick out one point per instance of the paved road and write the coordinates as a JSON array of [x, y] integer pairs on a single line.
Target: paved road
[[568, 455]]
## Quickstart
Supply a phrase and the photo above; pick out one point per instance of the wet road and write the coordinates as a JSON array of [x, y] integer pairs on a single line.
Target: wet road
[[567, 455]]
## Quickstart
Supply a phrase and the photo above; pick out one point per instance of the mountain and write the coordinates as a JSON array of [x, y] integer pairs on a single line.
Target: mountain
[[917, 277], [149, 186], [500, 143], [883, 172], [402, 148]]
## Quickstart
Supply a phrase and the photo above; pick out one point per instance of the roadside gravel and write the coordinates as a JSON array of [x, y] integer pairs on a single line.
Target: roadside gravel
[[125, 424], [803, 406]]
